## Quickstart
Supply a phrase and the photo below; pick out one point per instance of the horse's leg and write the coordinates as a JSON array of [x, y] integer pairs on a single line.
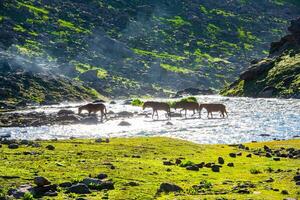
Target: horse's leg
[[153, 114], [89, 112], [157, 114]]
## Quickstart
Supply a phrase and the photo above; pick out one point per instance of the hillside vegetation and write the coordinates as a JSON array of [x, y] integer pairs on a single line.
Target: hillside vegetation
[[278, 75], [143, 46]]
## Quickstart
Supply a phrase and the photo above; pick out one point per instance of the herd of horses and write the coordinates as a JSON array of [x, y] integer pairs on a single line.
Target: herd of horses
[[163, 106]]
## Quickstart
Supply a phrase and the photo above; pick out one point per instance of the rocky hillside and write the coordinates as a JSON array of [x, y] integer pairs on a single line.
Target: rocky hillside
[[19, 87], [142, 47], [278, 75]]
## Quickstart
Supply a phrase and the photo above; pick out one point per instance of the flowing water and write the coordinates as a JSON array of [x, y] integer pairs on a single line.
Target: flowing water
[[249, 120]]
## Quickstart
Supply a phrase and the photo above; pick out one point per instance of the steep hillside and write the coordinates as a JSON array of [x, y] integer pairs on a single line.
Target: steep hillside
[[275, 76], [143, 46]]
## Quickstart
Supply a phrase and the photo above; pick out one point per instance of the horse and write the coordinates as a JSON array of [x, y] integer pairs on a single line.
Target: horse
[[194, 106], [157, 106], [214, 108], [94, 108]]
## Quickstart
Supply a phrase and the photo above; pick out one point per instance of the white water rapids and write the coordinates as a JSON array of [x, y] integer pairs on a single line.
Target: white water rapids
[[248, 120]]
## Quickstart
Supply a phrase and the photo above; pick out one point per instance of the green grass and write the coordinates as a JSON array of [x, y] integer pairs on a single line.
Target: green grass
[[66, 164]]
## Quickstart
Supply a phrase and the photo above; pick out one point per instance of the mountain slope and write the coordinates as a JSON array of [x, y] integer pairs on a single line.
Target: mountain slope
[[275, 76], [143, 46]]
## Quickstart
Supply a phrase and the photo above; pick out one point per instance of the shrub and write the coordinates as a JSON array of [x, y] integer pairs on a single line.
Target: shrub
[[28, 196], [137, 102], [188, 99], [186, 163]]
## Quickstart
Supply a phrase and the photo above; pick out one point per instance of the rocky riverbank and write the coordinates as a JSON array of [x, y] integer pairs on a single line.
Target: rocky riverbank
[[147, 168]]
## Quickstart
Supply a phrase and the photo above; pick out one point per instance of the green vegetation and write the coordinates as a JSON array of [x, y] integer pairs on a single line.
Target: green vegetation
[[175, 69], [137, 102], [74, 160]]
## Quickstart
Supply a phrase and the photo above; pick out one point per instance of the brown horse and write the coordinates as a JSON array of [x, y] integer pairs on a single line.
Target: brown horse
[[214, 108], [94, 108], [193, 106], [157, 106]]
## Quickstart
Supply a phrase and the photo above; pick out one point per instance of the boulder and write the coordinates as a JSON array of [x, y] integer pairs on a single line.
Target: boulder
[[267, 92], [19, 192], [125, 114], [193, 168], [91, 181], [89, 120], [50, 147], [256, 70], [41, 181], [221, 160], [102, 176], [79, 188], [215, 168], [13, 146], [232, 155], [169, 187], [124, 123], [65, 112]]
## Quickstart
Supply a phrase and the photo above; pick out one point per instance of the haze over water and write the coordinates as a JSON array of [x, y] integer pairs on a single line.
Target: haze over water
[[248, 120]]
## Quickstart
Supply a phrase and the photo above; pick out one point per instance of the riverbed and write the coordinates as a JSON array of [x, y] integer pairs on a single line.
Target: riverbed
[[248, 120]]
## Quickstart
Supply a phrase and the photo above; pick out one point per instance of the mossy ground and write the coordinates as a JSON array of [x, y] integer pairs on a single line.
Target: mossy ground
[[65, 164]]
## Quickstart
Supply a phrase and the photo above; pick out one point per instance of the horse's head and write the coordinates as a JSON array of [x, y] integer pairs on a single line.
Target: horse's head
[[145, 105]]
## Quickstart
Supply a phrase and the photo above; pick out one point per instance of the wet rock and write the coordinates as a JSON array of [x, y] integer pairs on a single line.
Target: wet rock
[[89, 120], [232, 155], [221, 160], [13, 146], [41, 181], [65, 112], [50, 147], [112, 102], [215, 168], [102, 176], [79, 188], [284, 192], [168, 187], [193, 168], [124, 123], [125, 114], [91, 181], [65, 184], [230, 165], [168, 163]]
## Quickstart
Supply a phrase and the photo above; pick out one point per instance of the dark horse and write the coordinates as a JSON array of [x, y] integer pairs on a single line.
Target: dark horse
[[193, 106], [157, 106]]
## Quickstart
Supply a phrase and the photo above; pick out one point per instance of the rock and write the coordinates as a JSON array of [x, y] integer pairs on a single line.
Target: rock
[[13, 146], [249, 155], [127, 102], [178, 161], [132, 184], [106, 185], [102, 176], [169, 124], [221, 160], [243, 191], [91, 181], [125, 114], [43, 190], [99, 140], [232, 155], [99, 101], [79, 188], [168, 163], [270, 180], [193, 168], [215, 168], [239, 154], [50, 147], [230, 165], [297, 178], [19, 192], [65, 112], [107, 140], [168, 187], [268, 155], [89, 120], [284, 192], [65, 184], [112, 102], [298, 183], [136, 156], [194, 91], [72, 118], [41, 181], [267, 92], [124, 123], [51, 194], [276, 159], [25, 142], [257, 69]]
